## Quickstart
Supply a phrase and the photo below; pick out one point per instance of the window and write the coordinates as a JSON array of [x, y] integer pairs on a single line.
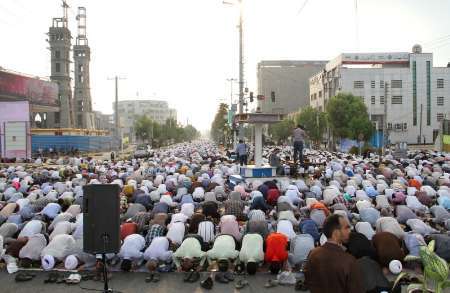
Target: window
[[440, 83], [381, 84], [80, 68], [398, 126], [79, 78], [428, 93], [57, 67], [372, 84], [381, 100], [389, 126], [57, 54], [440, 117], [57, 117], [372, 100], [440, 101], [397, 100], [320, 94], [396, 84], [358, 84], [405, 126]]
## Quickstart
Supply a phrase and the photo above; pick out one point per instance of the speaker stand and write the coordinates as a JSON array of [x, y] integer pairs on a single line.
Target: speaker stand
[[106, 289]]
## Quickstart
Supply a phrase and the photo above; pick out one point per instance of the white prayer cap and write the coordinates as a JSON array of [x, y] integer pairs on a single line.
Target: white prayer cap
[[71, 262], [48, 262]]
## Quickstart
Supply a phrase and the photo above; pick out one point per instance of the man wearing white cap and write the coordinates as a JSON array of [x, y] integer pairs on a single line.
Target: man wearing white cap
[[131, 250], [57, 250]]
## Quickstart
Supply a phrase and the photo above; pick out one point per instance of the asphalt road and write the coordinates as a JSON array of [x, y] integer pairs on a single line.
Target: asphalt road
[[135, 282]]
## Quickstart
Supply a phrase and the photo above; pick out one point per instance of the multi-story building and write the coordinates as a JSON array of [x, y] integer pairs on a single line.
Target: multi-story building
[[289, 83], [156, 110], [417, 95]]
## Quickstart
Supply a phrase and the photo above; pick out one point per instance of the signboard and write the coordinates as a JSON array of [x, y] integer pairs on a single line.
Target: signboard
[[374, 58], [258, 118], [15, 139], [35, 90]]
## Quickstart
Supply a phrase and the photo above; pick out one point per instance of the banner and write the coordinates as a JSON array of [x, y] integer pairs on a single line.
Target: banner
[[35, 90]]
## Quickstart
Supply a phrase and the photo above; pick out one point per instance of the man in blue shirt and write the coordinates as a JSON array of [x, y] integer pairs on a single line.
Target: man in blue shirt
[[241, 151]]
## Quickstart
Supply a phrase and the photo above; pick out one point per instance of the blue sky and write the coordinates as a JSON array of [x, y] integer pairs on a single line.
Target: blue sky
[[183, 51]]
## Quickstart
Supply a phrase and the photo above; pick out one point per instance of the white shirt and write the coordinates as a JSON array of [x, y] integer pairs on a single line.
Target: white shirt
[[252, 248], [187, 209], [31, 228], [132, 247], [285, 227], [366, 229], [179, 217], [33, 248], [158, 250], [60, 247], [64, 227], [206, 230], [176, 232], [389, 224]]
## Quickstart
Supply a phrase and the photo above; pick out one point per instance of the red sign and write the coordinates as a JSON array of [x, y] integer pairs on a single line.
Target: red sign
[[35, 90]]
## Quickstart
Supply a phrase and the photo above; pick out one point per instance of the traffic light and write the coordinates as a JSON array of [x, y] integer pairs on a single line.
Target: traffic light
[[272, 96], [251, 97]]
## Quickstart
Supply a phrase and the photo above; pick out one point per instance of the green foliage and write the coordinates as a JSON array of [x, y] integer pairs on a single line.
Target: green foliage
[[348, 117], [435, 269], [314, 121], [148, 130], [282, 130], [220, 130]]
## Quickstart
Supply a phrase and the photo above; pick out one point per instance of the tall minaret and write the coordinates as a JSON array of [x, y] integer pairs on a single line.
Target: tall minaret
[[60, 43], [84, 117]]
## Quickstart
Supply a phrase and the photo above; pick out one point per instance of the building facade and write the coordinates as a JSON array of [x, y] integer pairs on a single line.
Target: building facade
[[289, 82], [130, 110], [417, 94]]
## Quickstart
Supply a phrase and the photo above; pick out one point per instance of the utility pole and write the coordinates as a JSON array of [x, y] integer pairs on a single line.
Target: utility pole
[[117, 130], [385, 130], [241, 70]]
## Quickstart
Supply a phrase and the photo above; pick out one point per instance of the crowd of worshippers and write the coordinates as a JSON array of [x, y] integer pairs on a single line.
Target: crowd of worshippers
[[349, 218]]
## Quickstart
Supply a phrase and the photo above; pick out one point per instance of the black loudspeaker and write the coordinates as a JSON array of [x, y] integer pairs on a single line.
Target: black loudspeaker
[[101, 218]]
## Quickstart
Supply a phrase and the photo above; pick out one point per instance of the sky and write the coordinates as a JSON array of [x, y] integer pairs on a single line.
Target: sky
[[183, 51]]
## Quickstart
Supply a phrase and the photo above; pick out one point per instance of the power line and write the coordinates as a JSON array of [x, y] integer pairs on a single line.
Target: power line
[[437, 40], [302, 7]]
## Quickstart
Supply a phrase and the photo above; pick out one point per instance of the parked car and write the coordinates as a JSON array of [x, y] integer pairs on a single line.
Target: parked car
[[142, 151]]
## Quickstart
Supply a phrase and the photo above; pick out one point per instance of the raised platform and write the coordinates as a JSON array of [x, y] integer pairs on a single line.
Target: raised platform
[[257, 172]]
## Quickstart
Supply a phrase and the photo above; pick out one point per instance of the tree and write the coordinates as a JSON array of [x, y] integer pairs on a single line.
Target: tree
[[348, 118], [280, 131], [143, 128], [314, 121], [220, 130], [165, 134]]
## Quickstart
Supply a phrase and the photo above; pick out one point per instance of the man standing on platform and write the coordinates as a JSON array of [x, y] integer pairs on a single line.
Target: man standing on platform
[[241, 152], [299, 142]]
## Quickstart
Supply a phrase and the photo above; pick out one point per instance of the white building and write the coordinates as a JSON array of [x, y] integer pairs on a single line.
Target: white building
[[418, 94], [130, 110]]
